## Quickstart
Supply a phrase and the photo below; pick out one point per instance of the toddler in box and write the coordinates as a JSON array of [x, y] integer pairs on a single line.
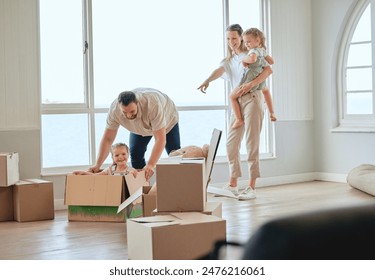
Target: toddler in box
[[120, 156]]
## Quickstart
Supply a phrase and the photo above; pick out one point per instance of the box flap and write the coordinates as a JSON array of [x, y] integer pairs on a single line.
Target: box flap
[[157, 221], [146, 189], [137, 194], [22, 182], [37, 181], [181, 160], [9, 168], [134, 183], [221, 192], [93, 190], [192, 160], [162, 224], [197, 217], [214, 145]]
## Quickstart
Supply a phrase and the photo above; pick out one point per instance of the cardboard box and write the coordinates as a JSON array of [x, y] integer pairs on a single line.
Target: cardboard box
[[9, 169], [97, 198], [148, 202], [181, 185], [33, 200], [6, 204], [94, 198], [180, 236], [211, 208]]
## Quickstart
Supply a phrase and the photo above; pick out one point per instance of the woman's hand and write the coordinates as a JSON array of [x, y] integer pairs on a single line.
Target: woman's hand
[[203, 87], [245, 88]]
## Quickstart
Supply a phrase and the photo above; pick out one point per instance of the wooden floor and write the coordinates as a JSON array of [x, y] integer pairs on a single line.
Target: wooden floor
[[62, 240]]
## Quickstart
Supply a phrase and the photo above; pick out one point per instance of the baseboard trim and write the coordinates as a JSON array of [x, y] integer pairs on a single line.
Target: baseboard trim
[[282, 180], [331, 177], [295, 178], [60, 205]]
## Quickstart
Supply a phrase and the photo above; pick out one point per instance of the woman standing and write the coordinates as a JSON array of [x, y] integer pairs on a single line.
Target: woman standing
[[231, 67], [251, 105]]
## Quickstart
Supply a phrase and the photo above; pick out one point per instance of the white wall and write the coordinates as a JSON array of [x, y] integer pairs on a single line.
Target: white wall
[[338, 152], [19, 84], [303, 90]]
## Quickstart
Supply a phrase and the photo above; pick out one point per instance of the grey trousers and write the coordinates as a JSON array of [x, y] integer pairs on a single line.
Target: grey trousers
[[252, 110]]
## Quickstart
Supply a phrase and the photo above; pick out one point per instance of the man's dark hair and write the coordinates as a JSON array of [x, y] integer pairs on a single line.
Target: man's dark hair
[[127, 97]]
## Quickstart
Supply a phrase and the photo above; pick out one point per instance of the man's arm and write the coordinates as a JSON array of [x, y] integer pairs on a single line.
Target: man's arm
[[105, 145], [157, 150]]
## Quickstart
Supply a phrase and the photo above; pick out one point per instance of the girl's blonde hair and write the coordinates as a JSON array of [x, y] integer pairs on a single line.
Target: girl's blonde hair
[[256, 33], [117, 145], [237, 28]]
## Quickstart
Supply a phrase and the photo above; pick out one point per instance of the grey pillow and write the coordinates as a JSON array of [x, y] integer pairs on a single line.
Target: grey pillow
[[363, 178]]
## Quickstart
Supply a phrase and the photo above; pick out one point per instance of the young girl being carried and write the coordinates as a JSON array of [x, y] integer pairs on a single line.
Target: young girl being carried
[[256, 59]]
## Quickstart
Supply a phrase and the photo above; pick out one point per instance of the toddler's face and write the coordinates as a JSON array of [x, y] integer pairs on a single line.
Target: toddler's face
[[251, 42], [120, 155]]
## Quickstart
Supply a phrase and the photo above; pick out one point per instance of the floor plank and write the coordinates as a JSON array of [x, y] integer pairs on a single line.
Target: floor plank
[[60, 239]]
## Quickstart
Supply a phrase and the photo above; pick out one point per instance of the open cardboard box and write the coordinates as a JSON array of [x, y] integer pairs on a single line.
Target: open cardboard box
[[97, 197], [208, 166], [9, 169], [179, 236]]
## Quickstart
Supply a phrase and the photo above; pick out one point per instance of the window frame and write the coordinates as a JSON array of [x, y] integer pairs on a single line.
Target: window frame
[[354, 122], [88, 106]]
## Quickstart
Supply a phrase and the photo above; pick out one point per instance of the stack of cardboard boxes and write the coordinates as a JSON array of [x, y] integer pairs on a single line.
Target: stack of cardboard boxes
[[177, 223], [23, 200], [184, 225]]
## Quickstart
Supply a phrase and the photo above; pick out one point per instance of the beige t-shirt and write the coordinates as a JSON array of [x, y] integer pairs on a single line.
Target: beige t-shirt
[[155, 111]]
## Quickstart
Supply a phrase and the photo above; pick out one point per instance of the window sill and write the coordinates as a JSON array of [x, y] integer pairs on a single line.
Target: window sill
[[354, 129], [63, 171]]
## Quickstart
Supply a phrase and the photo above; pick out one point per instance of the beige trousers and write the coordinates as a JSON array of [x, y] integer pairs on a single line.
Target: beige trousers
[[252, 110]]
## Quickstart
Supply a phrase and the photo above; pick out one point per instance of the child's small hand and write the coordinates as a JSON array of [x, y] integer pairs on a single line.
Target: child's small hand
[[134, 172], [79, 172], [245, 64]]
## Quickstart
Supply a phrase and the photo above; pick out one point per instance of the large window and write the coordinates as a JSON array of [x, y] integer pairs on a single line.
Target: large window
[[356, 78], [105, 47]]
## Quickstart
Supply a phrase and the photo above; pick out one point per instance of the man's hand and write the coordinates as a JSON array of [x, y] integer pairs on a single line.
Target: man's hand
[[134, 172], [94, 169], [149, 171]]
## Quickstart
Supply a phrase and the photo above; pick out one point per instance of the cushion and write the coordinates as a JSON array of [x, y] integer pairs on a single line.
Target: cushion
[[363, 178]]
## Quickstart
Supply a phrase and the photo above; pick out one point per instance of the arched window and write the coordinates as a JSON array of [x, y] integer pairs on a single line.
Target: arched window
[[356, 75]]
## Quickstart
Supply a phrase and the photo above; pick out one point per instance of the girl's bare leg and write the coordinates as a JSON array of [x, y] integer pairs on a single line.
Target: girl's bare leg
[[236, 109], [268, 99]]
